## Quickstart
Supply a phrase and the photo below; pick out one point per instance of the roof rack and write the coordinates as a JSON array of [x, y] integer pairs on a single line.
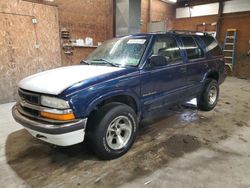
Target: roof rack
[[189, 32]]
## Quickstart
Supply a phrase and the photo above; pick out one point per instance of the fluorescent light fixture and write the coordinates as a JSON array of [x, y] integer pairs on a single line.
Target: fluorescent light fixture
[[169, 1]]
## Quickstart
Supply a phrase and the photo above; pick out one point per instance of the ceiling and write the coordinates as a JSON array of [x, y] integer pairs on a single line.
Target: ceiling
[[181, 3]]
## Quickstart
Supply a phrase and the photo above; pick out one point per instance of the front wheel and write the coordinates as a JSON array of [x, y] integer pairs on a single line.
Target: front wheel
[[208, 98], [113, 130]]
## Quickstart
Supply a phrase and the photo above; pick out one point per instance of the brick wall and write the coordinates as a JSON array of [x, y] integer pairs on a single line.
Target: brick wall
[[240, 21], [160, 11]]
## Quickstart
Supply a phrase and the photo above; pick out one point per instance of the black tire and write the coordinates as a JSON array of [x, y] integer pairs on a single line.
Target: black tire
[[98, 130], [204, 100]]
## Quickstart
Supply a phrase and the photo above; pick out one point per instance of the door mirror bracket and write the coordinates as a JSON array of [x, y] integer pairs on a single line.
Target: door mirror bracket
[[157, 60]]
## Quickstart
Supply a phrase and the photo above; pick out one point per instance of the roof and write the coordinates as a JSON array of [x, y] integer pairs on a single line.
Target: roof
[[177, 32]]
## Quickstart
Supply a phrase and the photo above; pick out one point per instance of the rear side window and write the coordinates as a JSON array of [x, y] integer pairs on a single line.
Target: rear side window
[[212, 45], [194, 51]]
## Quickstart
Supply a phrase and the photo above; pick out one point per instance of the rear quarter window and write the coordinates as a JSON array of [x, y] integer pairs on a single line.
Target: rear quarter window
[[212, 45]]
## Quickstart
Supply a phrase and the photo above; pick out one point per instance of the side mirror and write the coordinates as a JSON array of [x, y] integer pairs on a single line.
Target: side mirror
[[157, 60]]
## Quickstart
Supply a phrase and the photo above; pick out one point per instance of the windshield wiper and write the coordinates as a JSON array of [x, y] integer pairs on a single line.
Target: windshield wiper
[[106, 61], [84, 62]]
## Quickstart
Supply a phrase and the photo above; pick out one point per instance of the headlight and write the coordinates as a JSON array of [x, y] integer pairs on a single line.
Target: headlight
[[54, 102]]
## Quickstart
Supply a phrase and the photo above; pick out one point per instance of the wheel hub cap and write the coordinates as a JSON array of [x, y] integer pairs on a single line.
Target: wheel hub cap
[[212, 95], [119, 132]]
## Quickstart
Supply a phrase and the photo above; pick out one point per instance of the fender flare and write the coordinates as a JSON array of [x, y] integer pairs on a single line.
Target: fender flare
[[92, 105], [209, 73]]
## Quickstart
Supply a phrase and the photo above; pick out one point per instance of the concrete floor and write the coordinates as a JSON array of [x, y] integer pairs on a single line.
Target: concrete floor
[[183, 148]]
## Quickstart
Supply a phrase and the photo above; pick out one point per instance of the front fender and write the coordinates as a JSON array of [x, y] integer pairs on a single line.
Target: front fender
[[92, 105], [85, 100]]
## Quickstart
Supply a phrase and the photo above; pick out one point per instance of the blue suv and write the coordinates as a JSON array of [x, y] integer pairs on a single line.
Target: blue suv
[[123, 81]]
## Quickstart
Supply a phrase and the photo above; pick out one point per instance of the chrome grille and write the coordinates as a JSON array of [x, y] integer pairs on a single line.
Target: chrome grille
[[29, 105], [30, 111], [29, 97]]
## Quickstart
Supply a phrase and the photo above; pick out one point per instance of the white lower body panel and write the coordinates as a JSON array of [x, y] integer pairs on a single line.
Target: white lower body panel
[[65, 139]]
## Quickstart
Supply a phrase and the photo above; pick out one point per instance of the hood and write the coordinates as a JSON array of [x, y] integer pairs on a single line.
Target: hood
[[57, 80]]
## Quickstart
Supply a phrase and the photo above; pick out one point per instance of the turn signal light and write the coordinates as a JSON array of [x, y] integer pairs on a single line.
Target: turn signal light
[[62, 117]]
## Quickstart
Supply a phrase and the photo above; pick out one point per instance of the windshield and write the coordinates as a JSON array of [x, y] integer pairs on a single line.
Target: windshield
[[125, 51]]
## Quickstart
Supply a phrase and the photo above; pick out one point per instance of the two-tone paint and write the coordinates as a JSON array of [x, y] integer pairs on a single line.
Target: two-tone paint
[[149, 88]]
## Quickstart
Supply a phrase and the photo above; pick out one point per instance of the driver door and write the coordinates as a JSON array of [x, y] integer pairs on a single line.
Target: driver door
[[163, 84]]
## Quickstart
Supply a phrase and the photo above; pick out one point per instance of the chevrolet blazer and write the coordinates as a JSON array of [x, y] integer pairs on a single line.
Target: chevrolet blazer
[[123, 81]]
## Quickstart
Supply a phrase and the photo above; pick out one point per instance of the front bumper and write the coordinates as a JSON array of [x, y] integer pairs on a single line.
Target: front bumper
[[59, 134]]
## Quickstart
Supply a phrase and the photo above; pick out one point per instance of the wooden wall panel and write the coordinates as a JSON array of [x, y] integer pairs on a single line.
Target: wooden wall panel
[[14, 59], [83, 18], [19, 56], [240, 21]]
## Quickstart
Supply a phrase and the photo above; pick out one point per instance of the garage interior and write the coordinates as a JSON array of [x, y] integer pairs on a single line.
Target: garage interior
[[182, 147]]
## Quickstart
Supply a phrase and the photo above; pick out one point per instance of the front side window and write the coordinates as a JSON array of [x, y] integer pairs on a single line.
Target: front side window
[[212, 45], [192, 49], [125, 51], [166, 46]]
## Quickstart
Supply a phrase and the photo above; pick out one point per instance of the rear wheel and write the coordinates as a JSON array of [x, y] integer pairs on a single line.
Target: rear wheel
[[208, 98], [112, 130]]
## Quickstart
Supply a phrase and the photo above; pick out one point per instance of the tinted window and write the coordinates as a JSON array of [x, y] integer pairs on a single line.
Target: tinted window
[[166, 46], [193, 50], [212, 45]]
